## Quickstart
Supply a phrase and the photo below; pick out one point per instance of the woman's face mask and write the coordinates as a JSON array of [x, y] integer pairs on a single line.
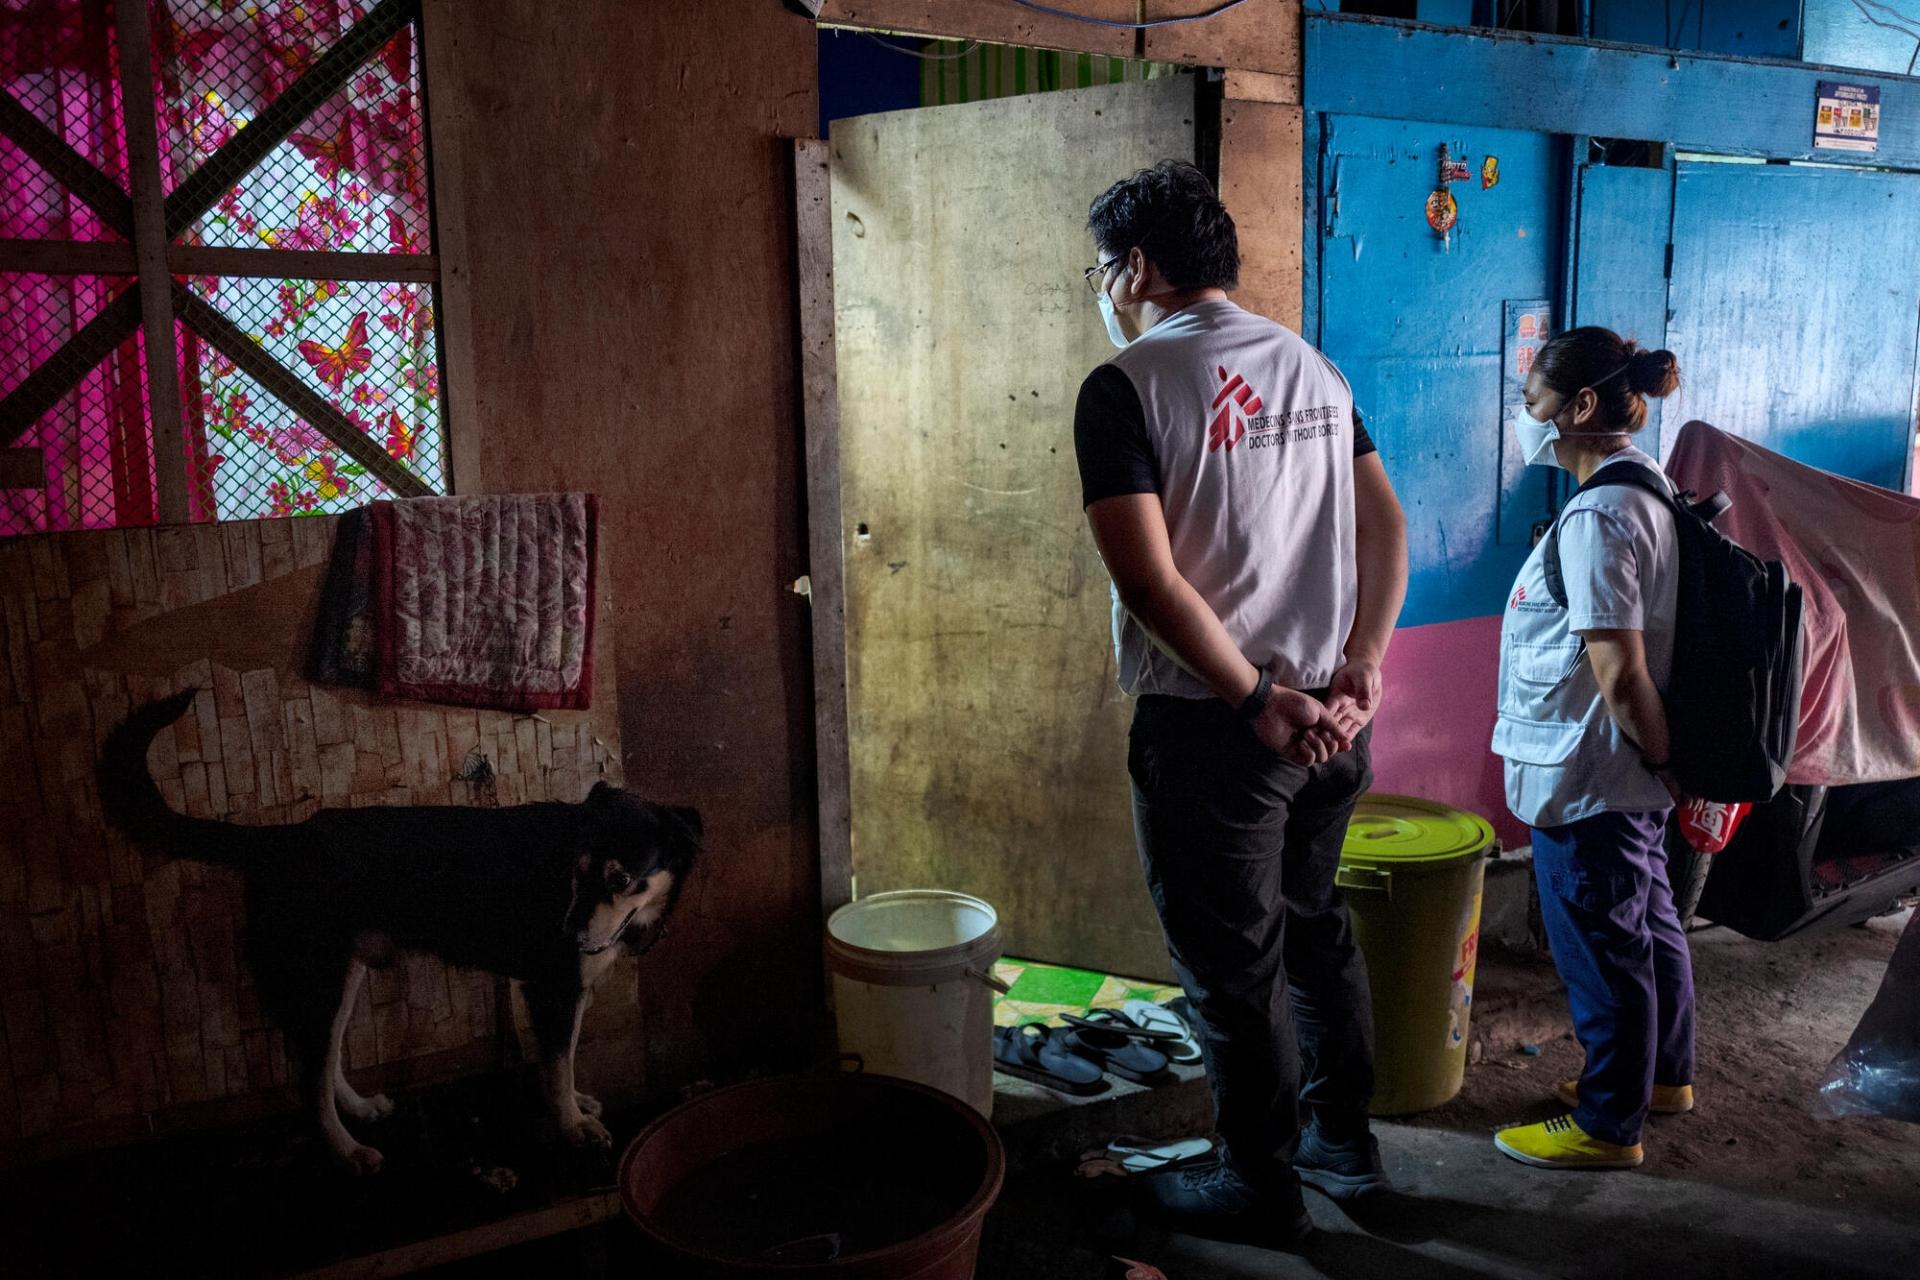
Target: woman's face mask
[[1536, 435], [1536, 438]]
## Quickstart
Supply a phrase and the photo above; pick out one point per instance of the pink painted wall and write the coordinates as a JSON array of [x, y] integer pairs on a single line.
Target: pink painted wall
[[1436, 719]]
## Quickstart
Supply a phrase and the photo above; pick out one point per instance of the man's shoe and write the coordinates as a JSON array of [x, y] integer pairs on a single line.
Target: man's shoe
[[1213, 1200], [1668, 1099], [1345, 1171], [1559, 1143]]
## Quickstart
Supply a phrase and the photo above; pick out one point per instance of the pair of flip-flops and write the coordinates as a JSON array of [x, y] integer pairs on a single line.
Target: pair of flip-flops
[[1074, 1060], [1172, 1017]]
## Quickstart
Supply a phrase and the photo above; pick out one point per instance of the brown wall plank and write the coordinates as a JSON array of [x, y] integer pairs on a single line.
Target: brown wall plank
[[628, 212], [1260, 181]]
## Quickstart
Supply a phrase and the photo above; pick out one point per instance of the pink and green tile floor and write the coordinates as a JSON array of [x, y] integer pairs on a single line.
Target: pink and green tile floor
[[1042, 992]]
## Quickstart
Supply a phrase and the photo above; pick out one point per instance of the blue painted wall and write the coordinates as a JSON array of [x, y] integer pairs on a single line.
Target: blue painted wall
[[1700, 102], [1839, 35], [1795, 311], [1792, 328], [1418, 331]]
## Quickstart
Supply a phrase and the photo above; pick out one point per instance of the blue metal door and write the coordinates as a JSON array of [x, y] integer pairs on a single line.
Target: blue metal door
[[1417, 325], [1795, 310]]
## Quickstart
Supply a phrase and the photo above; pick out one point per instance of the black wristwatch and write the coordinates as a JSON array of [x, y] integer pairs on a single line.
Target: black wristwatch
[[1256, 702]]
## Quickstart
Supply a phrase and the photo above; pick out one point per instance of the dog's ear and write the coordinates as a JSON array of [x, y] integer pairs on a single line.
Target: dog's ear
[[688, 820]]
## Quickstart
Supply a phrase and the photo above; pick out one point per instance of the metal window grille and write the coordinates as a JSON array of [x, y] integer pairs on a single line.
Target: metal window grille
[[283, 180]]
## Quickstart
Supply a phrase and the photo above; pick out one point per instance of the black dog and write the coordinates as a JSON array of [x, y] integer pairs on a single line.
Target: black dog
[[539, 892]]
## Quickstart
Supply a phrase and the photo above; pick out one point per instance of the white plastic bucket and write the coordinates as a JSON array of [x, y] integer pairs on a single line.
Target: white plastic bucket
[[913, 988]]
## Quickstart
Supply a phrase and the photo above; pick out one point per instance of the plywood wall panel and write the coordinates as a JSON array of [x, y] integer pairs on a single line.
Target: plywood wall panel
[[987, 731]]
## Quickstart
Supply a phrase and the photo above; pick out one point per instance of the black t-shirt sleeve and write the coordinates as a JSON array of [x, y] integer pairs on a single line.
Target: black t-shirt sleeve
[[1110, 438], [1362, 442]]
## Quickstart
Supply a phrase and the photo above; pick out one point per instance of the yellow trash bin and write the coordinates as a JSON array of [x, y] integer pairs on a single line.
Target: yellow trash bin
[[1413, 873]]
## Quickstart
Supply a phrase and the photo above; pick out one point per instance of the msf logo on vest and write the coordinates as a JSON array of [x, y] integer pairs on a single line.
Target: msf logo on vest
[[1232, 406]]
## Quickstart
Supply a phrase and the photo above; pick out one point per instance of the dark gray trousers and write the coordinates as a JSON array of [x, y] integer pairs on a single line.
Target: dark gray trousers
[[1239, 848]]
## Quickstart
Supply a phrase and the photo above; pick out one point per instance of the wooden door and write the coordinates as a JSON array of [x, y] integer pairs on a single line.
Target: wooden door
[[986, 733]]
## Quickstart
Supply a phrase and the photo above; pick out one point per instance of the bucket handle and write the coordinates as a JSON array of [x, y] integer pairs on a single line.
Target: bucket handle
[[1365, 880], [981, 975]]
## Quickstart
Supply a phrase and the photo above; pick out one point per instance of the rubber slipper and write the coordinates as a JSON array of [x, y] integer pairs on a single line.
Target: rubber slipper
[[1144, 1155], [1185, 1050], [1124, 1055], [1115, 1020], [1033, 1052]]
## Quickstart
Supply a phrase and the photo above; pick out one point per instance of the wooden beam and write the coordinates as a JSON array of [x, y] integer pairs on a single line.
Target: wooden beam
[[1259, 35], [820, 400], [23, 468], [55, 375], [294, 393], [202, 189], [150, 252], [68, 257], [68, 167], [448, 121], [279, 264], [566, 1215], [995, 21]]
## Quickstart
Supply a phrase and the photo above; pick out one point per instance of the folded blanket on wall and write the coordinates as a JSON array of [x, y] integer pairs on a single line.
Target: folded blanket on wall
[[482, 601]]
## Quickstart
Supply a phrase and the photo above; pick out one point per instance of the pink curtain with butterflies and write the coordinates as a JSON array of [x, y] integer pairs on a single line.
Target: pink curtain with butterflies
[[57, 58]]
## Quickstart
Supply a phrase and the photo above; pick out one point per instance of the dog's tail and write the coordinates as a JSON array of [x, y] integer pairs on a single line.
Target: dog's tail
[[134, 804]]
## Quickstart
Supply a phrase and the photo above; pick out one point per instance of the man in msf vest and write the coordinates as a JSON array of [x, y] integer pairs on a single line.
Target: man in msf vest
[[1258, 558]]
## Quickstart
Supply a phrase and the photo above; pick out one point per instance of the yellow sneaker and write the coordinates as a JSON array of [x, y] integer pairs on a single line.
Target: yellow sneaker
[[1559, 1143], [1668, 1099]]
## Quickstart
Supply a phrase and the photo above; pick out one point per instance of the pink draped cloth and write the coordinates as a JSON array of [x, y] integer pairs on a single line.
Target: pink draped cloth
[[1855, 551]]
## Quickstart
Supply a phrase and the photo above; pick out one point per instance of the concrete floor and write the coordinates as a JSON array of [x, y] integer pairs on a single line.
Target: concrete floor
[[1750, 1185]]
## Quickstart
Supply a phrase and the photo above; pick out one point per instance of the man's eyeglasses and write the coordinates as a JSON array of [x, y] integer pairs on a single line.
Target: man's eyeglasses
[[1096, 276]]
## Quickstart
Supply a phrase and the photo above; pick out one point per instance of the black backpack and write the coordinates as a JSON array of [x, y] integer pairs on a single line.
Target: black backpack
[[1733, 704]]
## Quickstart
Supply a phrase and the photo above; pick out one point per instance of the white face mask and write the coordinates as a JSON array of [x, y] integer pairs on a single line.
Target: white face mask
[[1536, 438], [1114, 331]]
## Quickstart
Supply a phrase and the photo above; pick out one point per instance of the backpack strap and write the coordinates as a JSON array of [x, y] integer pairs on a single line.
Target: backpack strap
[[1631, 474]]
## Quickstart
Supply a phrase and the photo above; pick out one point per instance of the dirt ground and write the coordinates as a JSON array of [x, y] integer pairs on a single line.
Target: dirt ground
[[1771, 1017]]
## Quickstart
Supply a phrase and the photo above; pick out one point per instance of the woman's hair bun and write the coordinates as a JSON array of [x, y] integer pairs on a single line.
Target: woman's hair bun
[[1652, 373]]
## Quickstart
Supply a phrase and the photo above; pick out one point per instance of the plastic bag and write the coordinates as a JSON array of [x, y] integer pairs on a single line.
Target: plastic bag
[[1878, 1073], [1709, 825]]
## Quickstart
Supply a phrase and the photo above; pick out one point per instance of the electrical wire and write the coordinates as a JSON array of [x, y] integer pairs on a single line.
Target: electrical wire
[[1214, 12], [1904, 25], [920, 53]]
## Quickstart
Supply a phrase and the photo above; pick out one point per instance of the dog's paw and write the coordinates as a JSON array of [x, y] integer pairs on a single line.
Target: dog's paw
[[586, 1131], [367, 1110], [361, 1160], [588, 1106]]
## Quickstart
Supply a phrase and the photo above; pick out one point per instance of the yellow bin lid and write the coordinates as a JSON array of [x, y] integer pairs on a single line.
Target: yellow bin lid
[[1389, 832]]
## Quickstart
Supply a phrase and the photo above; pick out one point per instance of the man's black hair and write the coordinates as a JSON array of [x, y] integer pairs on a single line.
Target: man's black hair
[[1171, 214]]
